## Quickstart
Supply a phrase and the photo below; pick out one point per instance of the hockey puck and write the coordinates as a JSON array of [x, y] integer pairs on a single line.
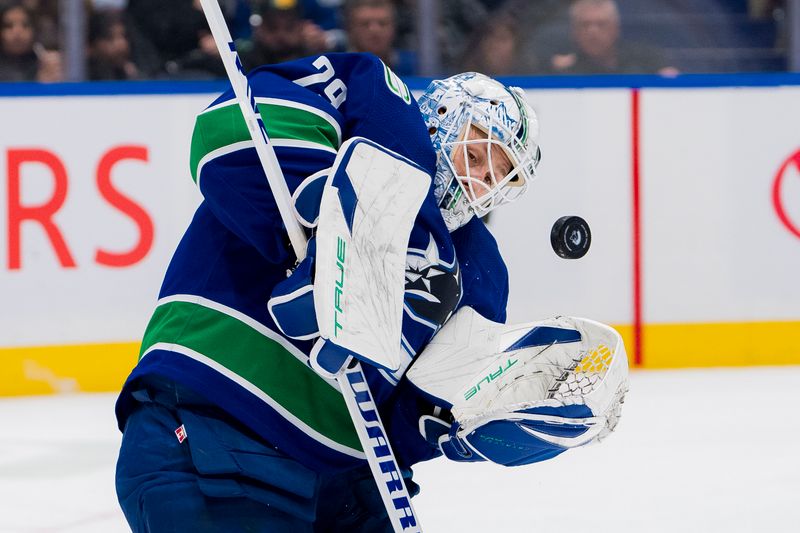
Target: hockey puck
[[570, 237]]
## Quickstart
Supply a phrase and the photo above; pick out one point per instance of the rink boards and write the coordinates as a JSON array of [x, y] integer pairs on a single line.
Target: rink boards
[[691, 187]]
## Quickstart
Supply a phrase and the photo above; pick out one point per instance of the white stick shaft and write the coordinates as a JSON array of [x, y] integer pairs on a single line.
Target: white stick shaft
[[352, 383], [247, 103], [380, 456]]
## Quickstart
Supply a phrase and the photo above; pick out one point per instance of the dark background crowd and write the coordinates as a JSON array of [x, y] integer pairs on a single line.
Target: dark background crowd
[[169, 39]]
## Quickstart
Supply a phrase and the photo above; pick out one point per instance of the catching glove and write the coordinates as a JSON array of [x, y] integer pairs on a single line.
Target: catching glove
[[519, 394]]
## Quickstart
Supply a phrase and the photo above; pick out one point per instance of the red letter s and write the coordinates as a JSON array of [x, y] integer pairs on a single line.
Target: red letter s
[[124, 204]]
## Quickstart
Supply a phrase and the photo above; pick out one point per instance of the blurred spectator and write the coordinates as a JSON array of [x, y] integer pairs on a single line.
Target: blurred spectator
[[170, 26], [458, 20], [595, 26], [281, 33], [327, 15], [109, 47], [22, 58], [545, 24], [323, 13], [178, 30], [45, 22], [197, 56], [494, 49], [201, 62], [371, 26]]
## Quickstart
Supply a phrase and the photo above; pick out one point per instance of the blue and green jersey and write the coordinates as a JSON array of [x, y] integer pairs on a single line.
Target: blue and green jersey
[[211, 331]]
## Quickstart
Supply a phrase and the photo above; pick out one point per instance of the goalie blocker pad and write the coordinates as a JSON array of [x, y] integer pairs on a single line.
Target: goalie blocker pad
[[522, 393], [369, 203]]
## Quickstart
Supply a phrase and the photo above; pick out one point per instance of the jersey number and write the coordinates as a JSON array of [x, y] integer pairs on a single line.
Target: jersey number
[[336, 90]]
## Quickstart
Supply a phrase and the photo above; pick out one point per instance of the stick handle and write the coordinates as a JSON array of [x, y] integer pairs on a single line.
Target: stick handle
[[255, 124]]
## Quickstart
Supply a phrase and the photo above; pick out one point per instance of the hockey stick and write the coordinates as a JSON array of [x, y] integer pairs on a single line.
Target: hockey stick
[[352, 381]]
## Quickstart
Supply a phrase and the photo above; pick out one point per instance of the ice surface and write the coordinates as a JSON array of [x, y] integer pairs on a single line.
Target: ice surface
[[696, 451]]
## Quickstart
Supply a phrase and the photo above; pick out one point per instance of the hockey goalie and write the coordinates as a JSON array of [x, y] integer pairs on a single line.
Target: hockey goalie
[[231, 421]]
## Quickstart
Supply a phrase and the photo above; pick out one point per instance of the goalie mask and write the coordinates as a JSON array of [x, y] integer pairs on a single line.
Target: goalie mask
[[486, 138]]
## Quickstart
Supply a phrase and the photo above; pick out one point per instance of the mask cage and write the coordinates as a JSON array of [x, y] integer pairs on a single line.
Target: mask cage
[[465, 189]]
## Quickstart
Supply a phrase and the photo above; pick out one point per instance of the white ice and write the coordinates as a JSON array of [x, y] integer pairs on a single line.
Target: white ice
[[713, 450]]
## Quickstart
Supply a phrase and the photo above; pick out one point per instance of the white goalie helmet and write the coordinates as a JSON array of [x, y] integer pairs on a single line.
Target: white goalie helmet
[[470, 116]]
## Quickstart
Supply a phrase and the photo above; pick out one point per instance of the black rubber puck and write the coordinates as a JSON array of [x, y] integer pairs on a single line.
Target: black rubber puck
[[570, 237]]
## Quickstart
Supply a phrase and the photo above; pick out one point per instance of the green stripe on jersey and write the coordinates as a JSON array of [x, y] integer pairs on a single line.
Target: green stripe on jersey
[[257, 360], [225, 125]]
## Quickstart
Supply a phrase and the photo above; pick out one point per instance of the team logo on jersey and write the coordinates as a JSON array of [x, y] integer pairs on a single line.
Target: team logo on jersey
[[433, 287], [396, 85]]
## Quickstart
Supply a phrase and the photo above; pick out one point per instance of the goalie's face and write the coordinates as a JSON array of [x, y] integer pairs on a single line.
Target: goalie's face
[[479, 164], [484, 173]]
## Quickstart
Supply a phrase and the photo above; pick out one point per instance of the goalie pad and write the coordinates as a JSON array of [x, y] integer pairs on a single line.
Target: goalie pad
[[369, 203], [522, 393]]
